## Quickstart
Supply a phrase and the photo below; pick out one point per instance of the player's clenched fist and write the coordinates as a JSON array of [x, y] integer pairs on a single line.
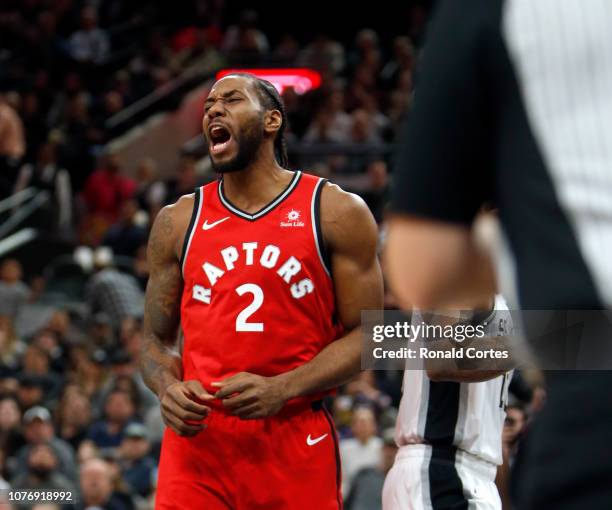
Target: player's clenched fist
[[250, 396], [182, 407]]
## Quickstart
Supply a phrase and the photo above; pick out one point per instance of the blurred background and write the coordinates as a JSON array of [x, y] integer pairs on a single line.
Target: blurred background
[[100, 127]]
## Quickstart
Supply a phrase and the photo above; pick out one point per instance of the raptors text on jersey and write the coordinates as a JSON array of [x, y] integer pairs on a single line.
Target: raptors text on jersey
[[258, 295]]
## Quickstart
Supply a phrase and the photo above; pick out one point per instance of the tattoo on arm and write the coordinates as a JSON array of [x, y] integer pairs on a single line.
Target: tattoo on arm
[[160, 362]]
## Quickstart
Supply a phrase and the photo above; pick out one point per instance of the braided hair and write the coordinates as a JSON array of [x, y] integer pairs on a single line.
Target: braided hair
[[271, 100]]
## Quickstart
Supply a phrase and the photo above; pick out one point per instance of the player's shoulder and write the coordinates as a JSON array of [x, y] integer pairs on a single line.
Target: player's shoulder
[[182, 207], [346, 220], [338, 204], [172, 221]]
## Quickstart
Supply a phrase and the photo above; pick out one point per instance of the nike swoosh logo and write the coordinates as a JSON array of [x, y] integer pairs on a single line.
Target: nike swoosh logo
[[310, 441], [208, 226]]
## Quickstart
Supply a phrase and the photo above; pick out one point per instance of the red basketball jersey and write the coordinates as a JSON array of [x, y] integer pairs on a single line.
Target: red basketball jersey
[[258, 296]]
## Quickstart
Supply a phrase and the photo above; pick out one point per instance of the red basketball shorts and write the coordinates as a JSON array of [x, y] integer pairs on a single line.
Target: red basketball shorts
[[286, 462]]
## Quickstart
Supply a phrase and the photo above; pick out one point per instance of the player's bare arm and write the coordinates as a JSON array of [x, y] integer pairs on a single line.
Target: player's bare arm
[[432, 264], [350, 234], [446, 369], [181, 402], [450, 369]]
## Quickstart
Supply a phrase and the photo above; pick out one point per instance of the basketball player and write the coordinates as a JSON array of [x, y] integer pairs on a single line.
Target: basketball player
[[449, 433], [267, 271]]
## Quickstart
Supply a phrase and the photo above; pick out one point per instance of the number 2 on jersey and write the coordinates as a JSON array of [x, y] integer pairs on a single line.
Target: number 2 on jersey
[[258, 297]]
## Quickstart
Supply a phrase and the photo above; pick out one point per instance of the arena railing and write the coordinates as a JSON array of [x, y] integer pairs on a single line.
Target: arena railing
[[20, 215]]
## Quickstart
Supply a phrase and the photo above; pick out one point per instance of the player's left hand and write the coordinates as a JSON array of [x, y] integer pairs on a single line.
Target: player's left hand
[[251, 396]]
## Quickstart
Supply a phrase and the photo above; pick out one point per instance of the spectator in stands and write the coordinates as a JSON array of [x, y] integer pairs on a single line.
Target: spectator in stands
[[202, 55], [404, 83], [89, 44], [403, 59], [36, 362], [60, 324], [141, 267], [375, 194], [13, 292], [97, 487], [245, 36], [126, 235], [137, 467], [334, 104], [12, 145], [11, 436], [298, 116], [363, 450], [185, 182], [45, 174], [380, 122], [115, 293], [123, 378], [105, 192], [364, 391], [42, 471], [119, 412], [362, 128], [35, 123], [47, 341], [367, 50], [72, 85], [31, 390], [367, 485], [11, 347], [73, 416], [324, 129], [399, 103], [150, 191], [287, 50], [87, 370], [112, 103], [132, 344], [362, 85], [38, 429], [127, 377], [156, 427], [514, 426], [121, 490], [77, 135], [87, 451], [323, 54], [101, 330]]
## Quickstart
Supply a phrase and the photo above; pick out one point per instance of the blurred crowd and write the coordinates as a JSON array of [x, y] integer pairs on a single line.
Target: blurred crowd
[[69, 68], [74, 411]]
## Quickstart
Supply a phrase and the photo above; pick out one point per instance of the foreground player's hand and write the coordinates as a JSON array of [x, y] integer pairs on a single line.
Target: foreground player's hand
[[182, 407], [251, 396]]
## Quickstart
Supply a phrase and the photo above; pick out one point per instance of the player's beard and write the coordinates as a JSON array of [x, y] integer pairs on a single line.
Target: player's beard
[[249, 141]]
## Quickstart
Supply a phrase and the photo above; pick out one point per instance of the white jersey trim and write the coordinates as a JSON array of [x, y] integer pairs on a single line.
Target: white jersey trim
[[314, 220], [294, 181], [197, 209]]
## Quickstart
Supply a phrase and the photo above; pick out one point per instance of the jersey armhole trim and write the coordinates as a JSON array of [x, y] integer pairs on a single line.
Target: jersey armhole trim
[[316, 227], [195, 216]]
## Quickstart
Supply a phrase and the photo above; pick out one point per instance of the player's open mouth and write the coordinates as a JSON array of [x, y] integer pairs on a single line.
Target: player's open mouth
[[220, 139]]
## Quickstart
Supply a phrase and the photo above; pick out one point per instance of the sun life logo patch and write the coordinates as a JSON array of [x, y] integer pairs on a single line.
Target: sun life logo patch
[[291, 218]]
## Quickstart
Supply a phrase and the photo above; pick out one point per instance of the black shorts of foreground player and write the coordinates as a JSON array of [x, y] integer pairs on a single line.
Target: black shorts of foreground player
[[245, 266]]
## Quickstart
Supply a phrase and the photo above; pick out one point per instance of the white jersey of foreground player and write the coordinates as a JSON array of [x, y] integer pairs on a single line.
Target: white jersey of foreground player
[[467, 421]]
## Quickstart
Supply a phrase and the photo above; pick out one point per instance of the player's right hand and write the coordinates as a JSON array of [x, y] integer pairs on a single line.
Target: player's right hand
[[182, 408]]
